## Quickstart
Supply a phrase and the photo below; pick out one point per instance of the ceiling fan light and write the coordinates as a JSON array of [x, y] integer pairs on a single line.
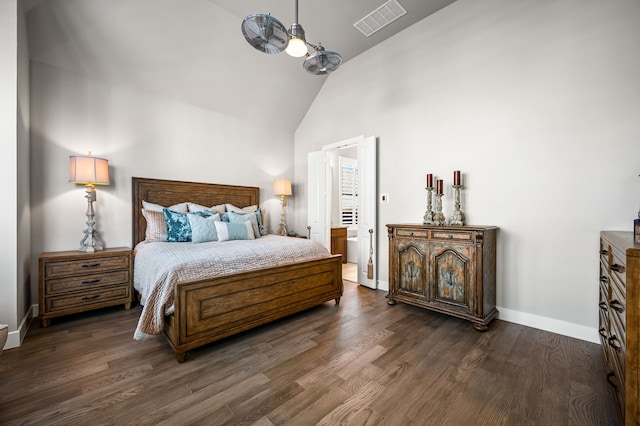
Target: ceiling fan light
[[297, 46]]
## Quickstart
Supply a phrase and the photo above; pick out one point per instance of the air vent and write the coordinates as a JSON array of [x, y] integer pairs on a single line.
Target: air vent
[[380, 18]]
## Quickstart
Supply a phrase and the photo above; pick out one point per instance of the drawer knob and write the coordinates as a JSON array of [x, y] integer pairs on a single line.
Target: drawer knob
[[602, 332], [618, 268], [91, 265], [616, 306], [95, 296], [89, 282], [613, 342], [604, 279], [604, 252], [603, 306]]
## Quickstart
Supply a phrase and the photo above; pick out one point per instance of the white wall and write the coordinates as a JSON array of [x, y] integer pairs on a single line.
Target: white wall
[[142, 134], [14, 172], [537, 103]]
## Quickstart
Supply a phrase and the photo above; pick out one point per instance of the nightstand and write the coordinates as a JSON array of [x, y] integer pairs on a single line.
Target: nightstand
[[75, 281]]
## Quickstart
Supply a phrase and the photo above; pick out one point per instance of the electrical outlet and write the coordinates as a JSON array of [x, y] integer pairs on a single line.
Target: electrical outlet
[[384, 198]]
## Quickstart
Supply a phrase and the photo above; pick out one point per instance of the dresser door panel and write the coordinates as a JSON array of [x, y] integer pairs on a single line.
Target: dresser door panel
[[412, 269], [452, 276]]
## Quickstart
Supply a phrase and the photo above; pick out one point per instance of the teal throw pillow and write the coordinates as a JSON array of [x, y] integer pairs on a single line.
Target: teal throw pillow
[[202, 227], [247, 217], [234, 231]]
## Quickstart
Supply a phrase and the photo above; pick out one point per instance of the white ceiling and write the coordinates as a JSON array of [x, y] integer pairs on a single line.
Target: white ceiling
[[193, 51]]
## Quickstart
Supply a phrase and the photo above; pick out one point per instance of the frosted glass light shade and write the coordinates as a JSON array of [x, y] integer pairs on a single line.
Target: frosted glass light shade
[[89, 170], [297, 47], [282, 187]]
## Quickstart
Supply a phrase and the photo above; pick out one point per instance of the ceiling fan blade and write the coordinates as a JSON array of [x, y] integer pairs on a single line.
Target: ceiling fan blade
[[265, 33]]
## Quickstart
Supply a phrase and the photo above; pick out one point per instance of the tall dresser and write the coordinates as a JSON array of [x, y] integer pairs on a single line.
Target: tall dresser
[[619, 316], [448, 269]]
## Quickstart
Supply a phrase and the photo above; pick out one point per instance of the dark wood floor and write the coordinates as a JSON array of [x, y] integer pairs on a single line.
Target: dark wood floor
[[363, 362]]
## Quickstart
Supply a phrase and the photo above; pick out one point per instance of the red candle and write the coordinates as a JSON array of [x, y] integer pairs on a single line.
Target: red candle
[[429, 180], [456, 177], [439, 187]]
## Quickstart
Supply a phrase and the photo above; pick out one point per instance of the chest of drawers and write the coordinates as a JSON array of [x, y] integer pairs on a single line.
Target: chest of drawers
[[619, 329], [74, 281], [451, 270]]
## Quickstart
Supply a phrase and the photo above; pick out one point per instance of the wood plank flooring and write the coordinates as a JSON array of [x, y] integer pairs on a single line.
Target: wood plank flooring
[[360, 363]]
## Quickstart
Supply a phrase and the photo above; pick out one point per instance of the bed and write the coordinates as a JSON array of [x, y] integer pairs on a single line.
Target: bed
[[209, 309]]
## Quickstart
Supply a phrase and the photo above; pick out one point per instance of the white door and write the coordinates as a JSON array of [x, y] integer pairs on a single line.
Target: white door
[[317, 217], [367, 213], [320, 197]]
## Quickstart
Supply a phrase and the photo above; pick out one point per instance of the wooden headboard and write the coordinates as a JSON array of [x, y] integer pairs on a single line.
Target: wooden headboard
[[169, 192]]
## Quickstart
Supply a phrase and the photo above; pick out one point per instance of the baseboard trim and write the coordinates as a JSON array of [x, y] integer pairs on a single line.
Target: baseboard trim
[[16, 337], [549, 324], [536, 321]]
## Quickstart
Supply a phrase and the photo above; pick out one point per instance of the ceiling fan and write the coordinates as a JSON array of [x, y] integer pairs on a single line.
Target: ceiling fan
[[266, 34]]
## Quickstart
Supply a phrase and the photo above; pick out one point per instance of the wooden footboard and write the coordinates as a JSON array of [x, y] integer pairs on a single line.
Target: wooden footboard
[[211, 309]]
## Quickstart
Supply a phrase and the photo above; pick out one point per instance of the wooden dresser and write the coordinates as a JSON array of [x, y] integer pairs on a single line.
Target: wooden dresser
[[449, 269], [339, 242], [619, 317], [75, 281]]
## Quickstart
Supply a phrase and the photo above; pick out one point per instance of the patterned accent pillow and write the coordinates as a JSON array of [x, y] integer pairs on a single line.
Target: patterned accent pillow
[[203, 228], [249, 217], [234, 231], [260, 213], [220, 208], [178, 228], [156, 226]]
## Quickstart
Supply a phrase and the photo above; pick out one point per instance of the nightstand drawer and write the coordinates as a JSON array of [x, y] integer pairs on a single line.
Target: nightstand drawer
[[85, 266], [85, 282], [81, 300]]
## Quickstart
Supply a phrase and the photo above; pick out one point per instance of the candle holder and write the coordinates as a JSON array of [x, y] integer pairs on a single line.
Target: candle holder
[[438, 218], [428, 214], [457, 217]]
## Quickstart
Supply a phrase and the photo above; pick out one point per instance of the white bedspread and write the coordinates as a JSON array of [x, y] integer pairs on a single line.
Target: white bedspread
[[159, 266]]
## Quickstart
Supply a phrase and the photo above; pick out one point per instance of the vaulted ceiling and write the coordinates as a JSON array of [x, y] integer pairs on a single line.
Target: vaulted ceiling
[[193, 51]]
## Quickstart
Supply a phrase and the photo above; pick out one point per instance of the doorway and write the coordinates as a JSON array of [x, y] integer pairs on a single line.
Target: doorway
[[342, 200]]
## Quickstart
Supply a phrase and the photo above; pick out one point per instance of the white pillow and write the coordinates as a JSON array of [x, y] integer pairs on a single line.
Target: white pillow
[[248, 209], [193, 207], [234, 231], [180, 207]]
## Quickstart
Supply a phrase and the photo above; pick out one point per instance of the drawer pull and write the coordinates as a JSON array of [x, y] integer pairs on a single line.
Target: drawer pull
[[603, 306], [89, 282], [91, 265], [95, 296], [450, 236], [604, 252], [609, 377], [616, 306], [604, 279], [612, 342], [618, 268], [602, 332]]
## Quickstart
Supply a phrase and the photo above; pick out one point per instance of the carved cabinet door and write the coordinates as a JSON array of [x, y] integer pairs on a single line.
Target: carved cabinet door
[[411, 269], [452, 276]]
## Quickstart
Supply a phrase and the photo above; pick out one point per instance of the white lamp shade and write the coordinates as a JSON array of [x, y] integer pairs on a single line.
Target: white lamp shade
[[297, 47], [282, 187], [89, 170]]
